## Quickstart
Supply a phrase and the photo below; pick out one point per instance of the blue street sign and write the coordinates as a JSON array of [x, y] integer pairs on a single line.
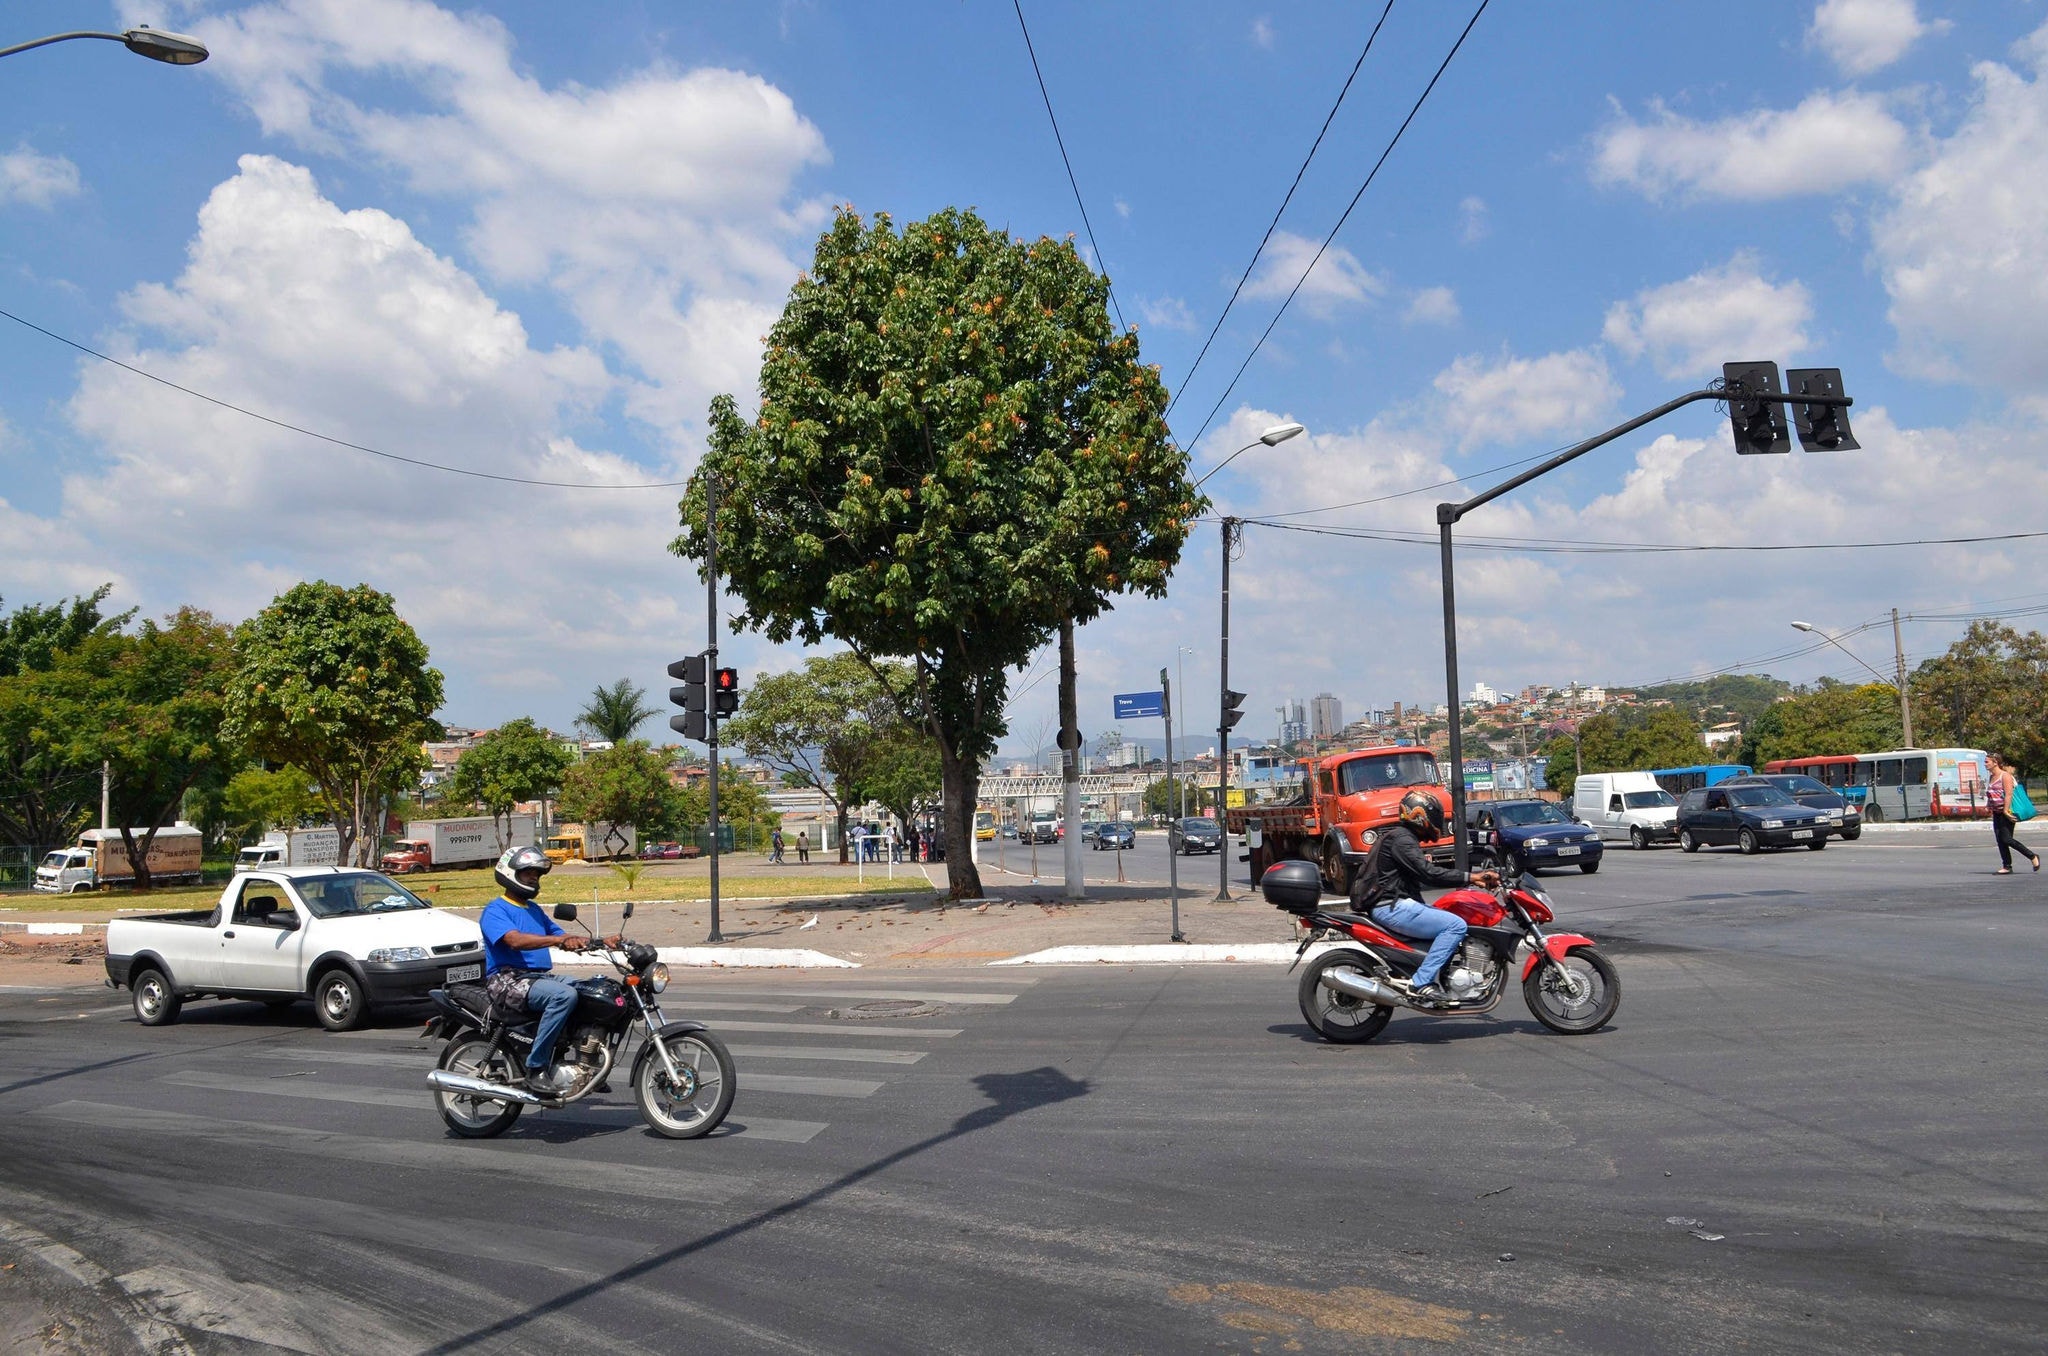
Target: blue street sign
[[1131, 705]]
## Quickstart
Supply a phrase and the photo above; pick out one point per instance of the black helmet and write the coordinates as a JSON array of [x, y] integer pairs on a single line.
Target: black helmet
[[1423, 813], [515, 861]]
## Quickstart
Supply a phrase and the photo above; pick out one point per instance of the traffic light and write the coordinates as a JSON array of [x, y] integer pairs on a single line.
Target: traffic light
[[726, 691], [1759, 424], [1231, 701], [1822, 428], [692, 696]]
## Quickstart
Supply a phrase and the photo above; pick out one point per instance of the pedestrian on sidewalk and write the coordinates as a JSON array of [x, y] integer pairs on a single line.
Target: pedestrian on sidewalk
[[803, 847], [775, 845], [2003, 790]]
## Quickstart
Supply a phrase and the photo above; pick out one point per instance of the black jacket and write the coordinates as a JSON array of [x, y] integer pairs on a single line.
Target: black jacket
[[1397, 869]]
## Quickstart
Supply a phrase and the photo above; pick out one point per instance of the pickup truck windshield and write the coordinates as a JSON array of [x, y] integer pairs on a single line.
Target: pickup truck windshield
[[1393, 769], [1648, 800], [355, 892]]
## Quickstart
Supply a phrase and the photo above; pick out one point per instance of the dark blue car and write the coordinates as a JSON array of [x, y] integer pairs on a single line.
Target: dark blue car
[[1533, 834]]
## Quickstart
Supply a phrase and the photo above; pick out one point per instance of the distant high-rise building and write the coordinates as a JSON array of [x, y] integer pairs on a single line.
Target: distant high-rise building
[[1484, 695], [1325, 716], [1397, 713], [1293, 723]]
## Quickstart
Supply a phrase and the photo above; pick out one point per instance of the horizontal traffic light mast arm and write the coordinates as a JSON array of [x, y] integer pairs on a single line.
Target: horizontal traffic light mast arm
[[1451, 513]]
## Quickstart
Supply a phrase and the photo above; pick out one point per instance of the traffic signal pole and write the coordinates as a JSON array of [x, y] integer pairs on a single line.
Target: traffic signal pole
[[711, 668], [1231, 528]]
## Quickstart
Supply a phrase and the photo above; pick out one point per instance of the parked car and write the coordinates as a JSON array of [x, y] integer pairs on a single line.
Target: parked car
[[1630, 805], [1116, 837], [1845, 819], [349, 940], [1532, 834], [660, 852], [1750, 817], [1194, 834]]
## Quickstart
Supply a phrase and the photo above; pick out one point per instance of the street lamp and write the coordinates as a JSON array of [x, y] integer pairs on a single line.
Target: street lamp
[[174, 49], [1227, 713], [1756, 408], [1898, 686]]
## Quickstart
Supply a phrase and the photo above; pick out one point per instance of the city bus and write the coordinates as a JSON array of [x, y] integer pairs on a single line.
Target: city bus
[[985, 825], [1679, 780], [1922, 784], [1838, 772]]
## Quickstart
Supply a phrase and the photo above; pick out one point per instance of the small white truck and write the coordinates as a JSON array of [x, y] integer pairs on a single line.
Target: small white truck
[[444, 844], [100, 858], [350, 940], [291, 847]]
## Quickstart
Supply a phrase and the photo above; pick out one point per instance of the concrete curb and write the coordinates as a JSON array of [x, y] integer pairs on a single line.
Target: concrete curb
[[1930, 826], [1170, 953], [734, 958], [53, 929]]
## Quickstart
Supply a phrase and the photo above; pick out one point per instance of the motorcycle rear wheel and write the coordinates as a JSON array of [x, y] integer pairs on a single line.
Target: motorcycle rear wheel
[[1335, 1016], [695, 1110], [476, 1117], [1573, 996]]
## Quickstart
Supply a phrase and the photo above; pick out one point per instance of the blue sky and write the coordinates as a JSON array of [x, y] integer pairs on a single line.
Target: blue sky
[[524, 238]]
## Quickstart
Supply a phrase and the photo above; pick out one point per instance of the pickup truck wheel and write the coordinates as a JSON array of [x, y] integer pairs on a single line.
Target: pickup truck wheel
[[156, 1002], [339, 1002]]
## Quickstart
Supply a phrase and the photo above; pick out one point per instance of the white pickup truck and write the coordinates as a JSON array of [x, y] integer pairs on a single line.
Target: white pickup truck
[[350, 940]]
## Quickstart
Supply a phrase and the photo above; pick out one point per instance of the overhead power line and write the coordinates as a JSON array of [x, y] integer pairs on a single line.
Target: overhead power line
[[1567, 546], [1399, 132], [304, 432], [1281, 210], [1061, 142]]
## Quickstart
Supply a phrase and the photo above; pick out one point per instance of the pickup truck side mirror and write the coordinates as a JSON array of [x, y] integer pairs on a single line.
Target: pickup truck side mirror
[[565, 913], [626, 911], [288, 921]]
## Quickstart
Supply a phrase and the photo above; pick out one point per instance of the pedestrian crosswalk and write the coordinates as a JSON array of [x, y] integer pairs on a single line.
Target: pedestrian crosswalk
[[794, 1050]]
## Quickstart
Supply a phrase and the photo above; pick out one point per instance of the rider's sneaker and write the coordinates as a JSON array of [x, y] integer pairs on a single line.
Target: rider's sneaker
[[1429, 993]]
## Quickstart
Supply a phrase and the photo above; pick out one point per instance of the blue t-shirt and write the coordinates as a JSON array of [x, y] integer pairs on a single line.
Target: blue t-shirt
[[501, 916]]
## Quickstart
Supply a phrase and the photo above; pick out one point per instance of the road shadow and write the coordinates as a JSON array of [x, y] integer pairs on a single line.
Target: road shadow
[[1009, 1094], [1428, 1030]]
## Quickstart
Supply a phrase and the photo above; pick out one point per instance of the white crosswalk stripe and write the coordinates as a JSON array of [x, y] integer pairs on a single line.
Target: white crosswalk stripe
[[839, 1055]]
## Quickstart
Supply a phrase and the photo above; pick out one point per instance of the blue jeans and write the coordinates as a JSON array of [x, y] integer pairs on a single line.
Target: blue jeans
[[1411, 918], [554, 1000]]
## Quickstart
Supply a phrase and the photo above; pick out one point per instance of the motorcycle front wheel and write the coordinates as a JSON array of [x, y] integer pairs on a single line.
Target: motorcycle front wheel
[[467, 1115], [1575, 995], [1338, 1016], [694, 1104]]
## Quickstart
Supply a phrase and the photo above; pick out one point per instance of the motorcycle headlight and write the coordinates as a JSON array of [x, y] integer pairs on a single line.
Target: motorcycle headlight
[[657, 978], [385, 954]]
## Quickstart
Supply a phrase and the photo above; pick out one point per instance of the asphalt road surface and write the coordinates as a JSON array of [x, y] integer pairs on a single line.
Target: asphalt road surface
[[1816, 1125]]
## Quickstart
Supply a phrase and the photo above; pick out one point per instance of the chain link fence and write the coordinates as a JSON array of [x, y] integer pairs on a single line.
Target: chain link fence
[[18, 866]]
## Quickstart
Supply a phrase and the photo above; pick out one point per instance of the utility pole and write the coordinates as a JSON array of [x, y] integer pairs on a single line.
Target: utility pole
[[1172, 857], [106, 790], [711, 668], [1070, 768], [1905, 701]]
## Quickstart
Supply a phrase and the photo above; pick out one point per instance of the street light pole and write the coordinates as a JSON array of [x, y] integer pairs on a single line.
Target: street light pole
[[1899, 657], [1447, 516], [173, 49]]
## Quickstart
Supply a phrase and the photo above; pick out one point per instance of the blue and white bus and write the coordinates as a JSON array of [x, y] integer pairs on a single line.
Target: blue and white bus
[[1679, 780], [1923, 784]]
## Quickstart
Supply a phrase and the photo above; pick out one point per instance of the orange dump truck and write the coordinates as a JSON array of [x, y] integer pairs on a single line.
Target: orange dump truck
[[1352, 797]]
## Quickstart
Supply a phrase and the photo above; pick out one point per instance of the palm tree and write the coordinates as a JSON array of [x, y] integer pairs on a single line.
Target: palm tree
[[614, 712]]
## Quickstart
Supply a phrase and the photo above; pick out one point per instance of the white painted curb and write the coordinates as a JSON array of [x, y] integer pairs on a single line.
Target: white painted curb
[[734, 958], [1170, 953], [54, 929]]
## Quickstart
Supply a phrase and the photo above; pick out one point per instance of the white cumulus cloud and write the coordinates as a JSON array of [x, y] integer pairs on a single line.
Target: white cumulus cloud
[[1862, 36], [1165, 313], [1830, 142], [1433, 306], [36, 180], [1507, 399], [1731, 313], [1338, 279]]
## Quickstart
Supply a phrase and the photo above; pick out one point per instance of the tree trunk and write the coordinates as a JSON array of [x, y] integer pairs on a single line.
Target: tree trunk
[[1070, 766], [841, 808], [138, 856], [962, 780]]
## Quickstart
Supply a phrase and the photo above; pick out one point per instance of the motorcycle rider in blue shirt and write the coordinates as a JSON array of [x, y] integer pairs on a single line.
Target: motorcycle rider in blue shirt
[[518, 960]]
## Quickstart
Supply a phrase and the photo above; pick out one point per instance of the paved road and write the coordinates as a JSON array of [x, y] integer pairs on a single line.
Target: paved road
[[1815, 1126]]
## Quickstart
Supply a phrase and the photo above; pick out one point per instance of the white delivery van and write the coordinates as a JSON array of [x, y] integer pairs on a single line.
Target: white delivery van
[[291, 847], [1629, 805]]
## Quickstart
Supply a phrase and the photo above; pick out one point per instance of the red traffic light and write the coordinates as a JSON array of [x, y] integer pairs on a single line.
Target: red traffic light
[[725, 691], [728, 680]]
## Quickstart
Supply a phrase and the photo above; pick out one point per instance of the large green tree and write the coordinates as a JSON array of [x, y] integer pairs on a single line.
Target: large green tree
[[156, 722], [614, 711], [1662, 736], [257, 798], [334, 681], [1988, 691], [49, 784], [625, 784], [740, 804], [1834, 718], [955, 454], [902, 772], [516, 762]]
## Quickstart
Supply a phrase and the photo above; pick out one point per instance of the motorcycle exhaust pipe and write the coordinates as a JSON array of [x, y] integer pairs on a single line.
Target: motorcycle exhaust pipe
[[477, 1087], [1355, 985]]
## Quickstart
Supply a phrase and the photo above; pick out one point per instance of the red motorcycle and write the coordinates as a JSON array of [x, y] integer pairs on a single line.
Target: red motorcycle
[[1349, 993]]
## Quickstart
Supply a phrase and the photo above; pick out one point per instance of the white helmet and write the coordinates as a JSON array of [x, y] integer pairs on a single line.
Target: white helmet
[[512, 863]]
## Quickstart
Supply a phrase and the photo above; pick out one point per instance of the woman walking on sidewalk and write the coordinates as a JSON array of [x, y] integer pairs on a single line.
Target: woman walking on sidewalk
[[2000, 795]]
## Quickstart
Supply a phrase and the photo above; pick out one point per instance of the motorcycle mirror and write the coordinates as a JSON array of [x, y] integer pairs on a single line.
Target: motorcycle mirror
[[565, 913], [626, 911]]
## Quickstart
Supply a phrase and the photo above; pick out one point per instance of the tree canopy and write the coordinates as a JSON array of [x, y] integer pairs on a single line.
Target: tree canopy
[[1834, 718], [1662, 736], [1988, 691], [334, 681], [625, 784], [955, 453], [615, 711], [49, 783], [516, 762], [256, 799]]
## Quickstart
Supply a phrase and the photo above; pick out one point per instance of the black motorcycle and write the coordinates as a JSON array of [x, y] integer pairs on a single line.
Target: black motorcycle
[[683, 1077]]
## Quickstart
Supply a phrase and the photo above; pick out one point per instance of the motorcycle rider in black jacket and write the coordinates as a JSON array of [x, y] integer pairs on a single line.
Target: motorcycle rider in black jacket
[[1388, 888]]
